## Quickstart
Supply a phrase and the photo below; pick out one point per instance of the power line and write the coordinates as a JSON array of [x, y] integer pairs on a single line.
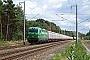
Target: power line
[[64, 19], [41, 9], [40, 2], [84, 21], [69, 2], [62, 14], [34, 16], [84, 28]]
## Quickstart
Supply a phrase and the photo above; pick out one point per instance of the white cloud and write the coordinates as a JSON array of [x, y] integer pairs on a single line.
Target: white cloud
[[48, 8], [30, 4], [87, 24], [52, 1], [33, 8], [84, 9], [56, 1], [45, 7], [86, 1], [69, 19], [37, 10], [57, 6]]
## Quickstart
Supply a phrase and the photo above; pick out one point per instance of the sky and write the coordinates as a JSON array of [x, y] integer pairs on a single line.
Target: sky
[[61, 12]]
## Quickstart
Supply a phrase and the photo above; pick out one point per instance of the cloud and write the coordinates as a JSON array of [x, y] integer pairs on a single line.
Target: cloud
[[57, 6], [56, 1], [87, 24], [69, 19], [47, 9], [29, 6]]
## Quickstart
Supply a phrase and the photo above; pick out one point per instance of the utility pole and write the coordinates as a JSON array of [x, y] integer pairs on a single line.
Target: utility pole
[[50, 26], [24, 21], [76, 27]]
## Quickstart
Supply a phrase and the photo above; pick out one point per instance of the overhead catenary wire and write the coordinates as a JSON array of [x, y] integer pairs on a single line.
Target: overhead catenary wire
[[85, 27], [56, 14], [42, 5], [47, 9], [42, 8], [35, 16], [69, 2], [64, 19], [59, 16], [84, 21]]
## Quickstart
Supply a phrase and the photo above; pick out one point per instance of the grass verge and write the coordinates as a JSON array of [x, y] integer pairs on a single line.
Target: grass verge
[[11, 43], [73, 52]]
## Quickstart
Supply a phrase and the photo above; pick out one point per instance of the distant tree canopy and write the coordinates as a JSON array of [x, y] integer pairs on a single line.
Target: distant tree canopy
[[87, 37], [49, 26], [88, 34]]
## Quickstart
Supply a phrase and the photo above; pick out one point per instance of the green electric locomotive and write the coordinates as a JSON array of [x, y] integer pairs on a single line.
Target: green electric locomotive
[[37, 35]]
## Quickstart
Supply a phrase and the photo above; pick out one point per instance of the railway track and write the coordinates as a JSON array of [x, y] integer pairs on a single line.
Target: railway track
[[22, 52]]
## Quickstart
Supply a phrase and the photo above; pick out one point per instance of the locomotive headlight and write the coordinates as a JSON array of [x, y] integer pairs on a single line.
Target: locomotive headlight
[[38, 36], [27, 36]]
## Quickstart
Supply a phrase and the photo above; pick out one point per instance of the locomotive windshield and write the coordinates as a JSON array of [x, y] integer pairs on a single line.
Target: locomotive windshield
[[33, 30]]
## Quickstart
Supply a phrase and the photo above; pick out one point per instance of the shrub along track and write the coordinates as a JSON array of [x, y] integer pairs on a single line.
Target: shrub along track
[[11, 47], [28, 52]]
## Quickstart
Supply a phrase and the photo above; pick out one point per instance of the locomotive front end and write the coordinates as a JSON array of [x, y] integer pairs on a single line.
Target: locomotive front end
[[33, 35]]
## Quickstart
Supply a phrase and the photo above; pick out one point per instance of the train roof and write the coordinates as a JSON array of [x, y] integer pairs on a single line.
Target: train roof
[[35, 27]]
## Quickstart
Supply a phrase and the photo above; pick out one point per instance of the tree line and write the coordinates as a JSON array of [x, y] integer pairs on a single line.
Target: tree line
[[11, 23], [50, 26], [54, 28], [11, 20]]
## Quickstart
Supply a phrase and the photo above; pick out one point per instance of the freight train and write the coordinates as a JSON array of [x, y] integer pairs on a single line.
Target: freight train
[[39, 35]]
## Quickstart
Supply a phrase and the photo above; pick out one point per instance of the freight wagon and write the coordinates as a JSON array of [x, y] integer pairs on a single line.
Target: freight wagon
[[56, 36]]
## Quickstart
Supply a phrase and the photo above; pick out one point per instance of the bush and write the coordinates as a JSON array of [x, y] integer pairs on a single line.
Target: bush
[[87, 37], [18, 36], [1, 36], [3, 43]]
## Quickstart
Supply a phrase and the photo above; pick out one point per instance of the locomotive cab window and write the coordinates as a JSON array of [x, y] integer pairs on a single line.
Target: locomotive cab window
[[33, 30]]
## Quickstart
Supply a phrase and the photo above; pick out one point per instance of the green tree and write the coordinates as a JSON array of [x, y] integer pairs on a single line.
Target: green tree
[[88, 34], [11, 20], [87, 37], [10, 11], [1, 11], [18, 23]]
